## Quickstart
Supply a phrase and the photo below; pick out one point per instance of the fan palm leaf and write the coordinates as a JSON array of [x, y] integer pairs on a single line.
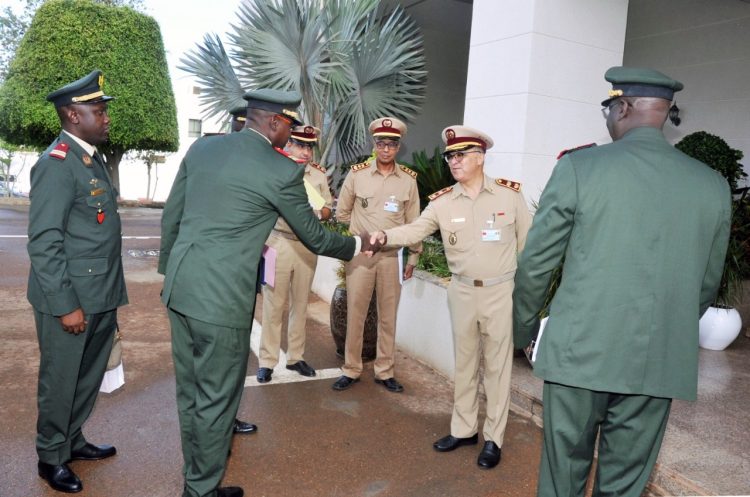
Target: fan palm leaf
[[211, 66], [350, 63]]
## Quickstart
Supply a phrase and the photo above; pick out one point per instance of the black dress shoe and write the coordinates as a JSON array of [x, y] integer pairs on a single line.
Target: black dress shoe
[[391, 384], [91, 452], [344, 382], [490, 455], [302, 368], [229, 492], [60, 477], [449, 443], [244, 428], [264, 376]]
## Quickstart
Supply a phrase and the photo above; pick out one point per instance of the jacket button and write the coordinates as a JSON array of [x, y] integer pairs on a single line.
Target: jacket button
[[90, 270]]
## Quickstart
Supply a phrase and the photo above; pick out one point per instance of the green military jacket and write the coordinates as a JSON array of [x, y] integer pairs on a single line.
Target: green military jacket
[[643, 229], [226, 198], [76, 260]]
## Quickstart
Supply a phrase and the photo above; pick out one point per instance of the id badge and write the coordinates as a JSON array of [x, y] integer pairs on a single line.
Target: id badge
[[490, 235], [391, 206]]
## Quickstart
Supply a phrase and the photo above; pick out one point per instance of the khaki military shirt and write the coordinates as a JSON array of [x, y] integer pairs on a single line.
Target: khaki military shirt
[[482, 237], [370, 201], [315, 175]]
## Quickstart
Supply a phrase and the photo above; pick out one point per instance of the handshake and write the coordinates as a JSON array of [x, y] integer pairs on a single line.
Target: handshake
[[372, 243]]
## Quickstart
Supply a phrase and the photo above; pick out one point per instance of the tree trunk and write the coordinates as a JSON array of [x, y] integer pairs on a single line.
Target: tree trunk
[[114, 156]]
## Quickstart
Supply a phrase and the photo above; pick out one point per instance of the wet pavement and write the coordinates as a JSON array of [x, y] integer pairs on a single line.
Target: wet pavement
[[311, 441]]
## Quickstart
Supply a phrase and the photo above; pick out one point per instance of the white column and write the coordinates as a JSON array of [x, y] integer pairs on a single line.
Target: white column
[[536, 80]]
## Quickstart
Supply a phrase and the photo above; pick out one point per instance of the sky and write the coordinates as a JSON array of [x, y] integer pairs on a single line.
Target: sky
[[183, 22]]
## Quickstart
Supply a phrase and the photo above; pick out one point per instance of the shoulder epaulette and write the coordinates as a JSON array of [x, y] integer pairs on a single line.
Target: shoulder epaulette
[[360, 166], [60, 151], [440, 193], [408, 171], [569, 150], [513, 185], [318, 167]]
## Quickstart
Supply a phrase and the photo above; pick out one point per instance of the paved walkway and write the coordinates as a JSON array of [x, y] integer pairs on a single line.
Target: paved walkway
[[313, 441]]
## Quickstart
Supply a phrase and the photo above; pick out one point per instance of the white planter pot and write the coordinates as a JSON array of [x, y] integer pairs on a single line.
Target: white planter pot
[[718, 328]]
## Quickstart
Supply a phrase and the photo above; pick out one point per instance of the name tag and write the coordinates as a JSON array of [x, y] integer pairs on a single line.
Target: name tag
[[391, 206], [98, 191], [490, 235], [458, 220]]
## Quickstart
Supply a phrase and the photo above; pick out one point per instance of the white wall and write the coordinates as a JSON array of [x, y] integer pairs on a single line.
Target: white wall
[[705, 45], [535, 80]]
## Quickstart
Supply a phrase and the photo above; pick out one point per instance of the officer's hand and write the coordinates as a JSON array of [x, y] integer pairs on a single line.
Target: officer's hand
[[369, 245], [74, 322], [408, 271], [378, 238]]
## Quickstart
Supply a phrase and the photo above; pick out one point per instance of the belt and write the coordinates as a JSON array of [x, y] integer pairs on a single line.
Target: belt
[[284, 234], [488, 282]]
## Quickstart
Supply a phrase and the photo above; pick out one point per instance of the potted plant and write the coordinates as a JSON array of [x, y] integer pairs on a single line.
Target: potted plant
[[338, 313], [721, 323]]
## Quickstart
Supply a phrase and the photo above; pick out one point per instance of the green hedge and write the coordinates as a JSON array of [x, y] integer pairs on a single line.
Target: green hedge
[[67, 39]]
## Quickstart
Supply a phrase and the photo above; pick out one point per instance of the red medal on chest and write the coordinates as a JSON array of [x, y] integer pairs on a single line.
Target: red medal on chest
[[100, 216]]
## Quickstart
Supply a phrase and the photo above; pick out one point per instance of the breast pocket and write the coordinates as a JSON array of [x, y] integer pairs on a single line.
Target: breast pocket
[[506, 225], [457, 238]]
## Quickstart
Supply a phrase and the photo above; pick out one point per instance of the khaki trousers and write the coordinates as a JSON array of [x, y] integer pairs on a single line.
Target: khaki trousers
[[363, 274], [630, 427], [295, 269], [482, 322]]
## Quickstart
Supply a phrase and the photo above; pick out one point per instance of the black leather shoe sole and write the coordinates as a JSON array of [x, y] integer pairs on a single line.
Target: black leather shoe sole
[[91, 452], [449, 443], [490, 456], [302, 368], [344, 382], [242, 428], [60, 477], [264, 375]]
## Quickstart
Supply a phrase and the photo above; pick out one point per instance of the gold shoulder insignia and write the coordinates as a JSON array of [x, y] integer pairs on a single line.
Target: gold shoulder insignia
[[408, 171], [360, 166], [318, 167], [513, 185], [439, 193], [569, 150]]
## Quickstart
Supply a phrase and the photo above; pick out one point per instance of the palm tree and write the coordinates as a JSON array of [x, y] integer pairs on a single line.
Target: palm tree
[[350, 63]]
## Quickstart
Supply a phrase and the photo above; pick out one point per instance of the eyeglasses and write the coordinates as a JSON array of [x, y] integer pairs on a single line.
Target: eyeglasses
[[459, 156], [383, 145], [302, 144], [286, 120]]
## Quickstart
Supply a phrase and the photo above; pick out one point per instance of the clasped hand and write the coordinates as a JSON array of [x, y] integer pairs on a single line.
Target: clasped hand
[[372, 243]]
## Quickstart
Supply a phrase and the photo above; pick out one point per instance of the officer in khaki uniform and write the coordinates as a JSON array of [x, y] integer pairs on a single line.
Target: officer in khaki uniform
[[376, 195], [642, 229], [483, 223], [76, 281], [295, 269]]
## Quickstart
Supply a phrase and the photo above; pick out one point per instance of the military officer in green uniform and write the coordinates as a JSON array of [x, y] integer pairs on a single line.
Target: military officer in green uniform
[[483, 222], [76, 281], [643, 231], [239, 119], [226, 198]]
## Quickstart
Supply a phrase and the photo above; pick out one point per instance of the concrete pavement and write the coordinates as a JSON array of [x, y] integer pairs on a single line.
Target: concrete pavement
[[312, 441]]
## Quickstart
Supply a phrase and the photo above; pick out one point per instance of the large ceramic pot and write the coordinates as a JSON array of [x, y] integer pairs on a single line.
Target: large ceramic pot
[[338, 325], [718, 328]]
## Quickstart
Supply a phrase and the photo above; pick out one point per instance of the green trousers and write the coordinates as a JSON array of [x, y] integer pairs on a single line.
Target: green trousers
[[210, 365], [71, 368], [630, 427]]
